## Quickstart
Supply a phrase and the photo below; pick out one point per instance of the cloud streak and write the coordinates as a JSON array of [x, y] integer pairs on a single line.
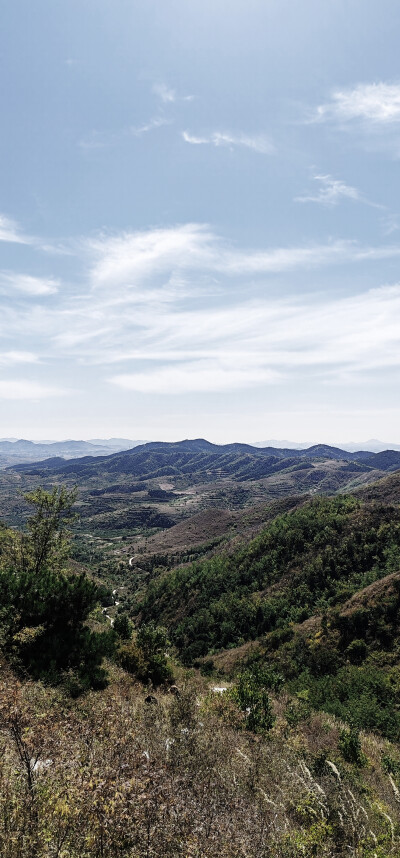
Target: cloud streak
[[98, 140], [203, 376], [27, 284], [257, 142], [330, 192], [376, 103], [10, 231], [261, 343], [168, 95], [156, 122], [13, 358], [168, 256], [165, 93], [141, 312], [333, 191], [27, 390]]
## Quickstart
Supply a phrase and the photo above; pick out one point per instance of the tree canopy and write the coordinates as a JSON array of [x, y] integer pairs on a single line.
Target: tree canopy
[[44, 607]]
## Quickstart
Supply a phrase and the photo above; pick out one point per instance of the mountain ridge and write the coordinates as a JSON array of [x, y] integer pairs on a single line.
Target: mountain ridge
[[240, 460]]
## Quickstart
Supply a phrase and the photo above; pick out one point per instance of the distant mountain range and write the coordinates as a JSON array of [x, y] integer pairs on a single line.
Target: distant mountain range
[[373, 446], [13, 450], [203, 460]]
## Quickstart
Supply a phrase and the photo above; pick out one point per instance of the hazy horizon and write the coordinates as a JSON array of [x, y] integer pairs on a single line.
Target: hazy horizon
[[372, 444]]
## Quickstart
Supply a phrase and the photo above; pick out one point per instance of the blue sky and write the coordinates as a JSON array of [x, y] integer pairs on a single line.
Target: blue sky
[[200, 219]]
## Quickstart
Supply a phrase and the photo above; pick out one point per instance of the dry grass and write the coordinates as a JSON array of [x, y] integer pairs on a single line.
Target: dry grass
[[113, 777]]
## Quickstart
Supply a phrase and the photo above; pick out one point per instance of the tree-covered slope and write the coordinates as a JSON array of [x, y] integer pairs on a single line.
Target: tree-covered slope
[[290, 589], [303, 562]]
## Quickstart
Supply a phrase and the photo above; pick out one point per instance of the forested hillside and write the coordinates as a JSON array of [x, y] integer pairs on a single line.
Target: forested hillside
[[303, 568]]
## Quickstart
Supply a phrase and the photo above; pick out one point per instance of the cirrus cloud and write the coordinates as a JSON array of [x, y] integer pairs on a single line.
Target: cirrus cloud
[[257, 142], [203, 376], [133, 258], [14, 357], [26, 389], [27, 284], [10, 231], [371, 102], [143, 308]]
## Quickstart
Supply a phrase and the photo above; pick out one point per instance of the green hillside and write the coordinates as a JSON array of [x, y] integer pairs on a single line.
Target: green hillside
[[303, 567]]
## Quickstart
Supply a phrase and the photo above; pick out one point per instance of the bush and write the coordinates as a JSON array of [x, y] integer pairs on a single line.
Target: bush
[[123, 627], [184, 711], [145, 657], [357, 651], [350, 747], [252, 698], [207, 667]]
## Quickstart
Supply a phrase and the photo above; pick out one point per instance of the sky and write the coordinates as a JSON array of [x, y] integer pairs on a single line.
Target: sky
[[200, 219]]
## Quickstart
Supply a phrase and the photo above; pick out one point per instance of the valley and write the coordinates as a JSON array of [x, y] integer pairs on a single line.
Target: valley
[[125, 499]]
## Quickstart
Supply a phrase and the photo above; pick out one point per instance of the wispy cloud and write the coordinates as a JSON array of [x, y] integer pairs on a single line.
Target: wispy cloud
[[104, 139], [14, 358], [390, 223], [26, 389], [196, 377], [169, 95], [164, 92], [156, 122], [371, 102], [332, 191], [28, 284], [131, 259], [224, 348], [257, 142], [10, 231], [97, 140], [142, 312], [262, 343]]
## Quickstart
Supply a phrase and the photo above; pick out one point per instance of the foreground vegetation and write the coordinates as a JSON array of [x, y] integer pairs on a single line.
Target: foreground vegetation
[[113, 777]]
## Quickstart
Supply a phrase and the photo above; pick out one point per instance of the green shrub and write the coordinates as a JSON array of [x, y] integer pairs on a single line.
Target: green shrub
[[207, 667], [350, 747], [252, 698], [123, 627], [145, 657], [357, 651]]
